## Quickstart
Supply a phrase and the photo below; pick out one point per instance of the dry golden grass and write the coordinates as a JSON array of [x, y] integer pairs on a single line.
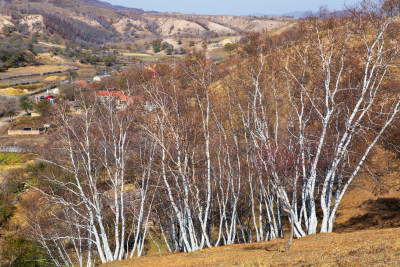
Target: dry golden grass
[[282, 28], [49, 58], [10, 161], [373, 203], [13, 91], [4, 85], [143, 56], [363, 248], [28, 122], [31, 87], [55, 78], [217, 53], [367, 233]]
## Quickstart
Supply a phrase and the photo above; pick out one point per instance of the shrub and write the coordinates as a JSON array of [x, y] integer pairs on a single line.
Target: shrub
[[25, 103], [229, 47], [156, 44], [109, 60], [44, 108]]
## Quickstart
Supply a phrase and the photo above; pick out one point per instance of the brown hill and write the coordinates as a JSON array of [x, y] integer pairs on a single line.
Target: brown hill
[[120, 22]]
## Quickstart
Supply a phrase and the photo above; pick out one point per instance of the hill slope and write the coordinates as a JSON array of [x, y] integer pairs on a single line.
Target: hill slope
[[111, 22], [366, 234], [363, 248]]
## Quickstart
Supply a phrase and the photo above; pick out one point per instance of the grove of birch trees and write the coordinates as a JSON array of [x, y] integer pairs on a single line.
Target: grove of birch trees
[[210, 155]]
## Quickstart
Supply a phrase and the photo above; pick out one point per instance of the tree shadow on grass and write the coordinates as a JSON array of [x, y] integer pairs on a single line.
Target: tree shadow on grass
[[381, 213], [274, 247]]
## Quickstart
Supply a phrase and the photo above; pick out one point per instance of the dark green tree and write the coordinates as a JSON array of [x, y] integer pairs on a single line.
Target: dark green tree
[[44, 108], [10, 113], [109, 60], [156, 44], [25, 103]]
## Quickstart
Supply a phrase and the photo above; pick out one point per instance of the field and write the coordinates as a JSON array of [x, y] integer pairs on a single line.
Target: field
[[32, 70], [25, 80], [33, 78], [143, 56], [362, 248]]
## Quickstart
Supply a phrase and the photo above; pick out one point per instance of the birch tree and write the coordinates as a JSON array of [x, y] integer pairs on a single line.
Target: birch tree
[[336, 106], [217, 155], [95, 153]]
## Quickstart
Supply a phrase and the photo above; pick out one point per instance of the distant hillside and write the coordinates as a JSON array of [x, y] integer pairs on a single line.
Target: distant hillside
[[97, 21], [108, 5]]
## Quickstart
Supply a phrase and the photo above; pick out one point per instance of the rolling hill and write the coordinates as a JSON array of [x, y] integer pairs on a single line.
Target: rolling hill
[[96, 21]]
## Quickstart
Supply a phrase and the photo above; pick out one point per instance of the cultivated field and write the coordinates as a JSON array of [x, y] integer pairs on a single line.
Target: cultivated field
[[32, 71], [18, 81]]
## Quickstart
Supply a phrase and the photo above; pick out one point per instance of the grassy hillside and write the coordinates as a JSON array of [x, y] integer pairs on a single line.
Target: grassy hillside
[[10, 161], [363, 248], [367, 231]]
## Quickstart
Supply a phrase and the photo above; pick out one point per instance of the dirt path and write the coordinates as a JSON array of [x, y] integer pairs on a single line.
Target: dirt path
[[6, 120]]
